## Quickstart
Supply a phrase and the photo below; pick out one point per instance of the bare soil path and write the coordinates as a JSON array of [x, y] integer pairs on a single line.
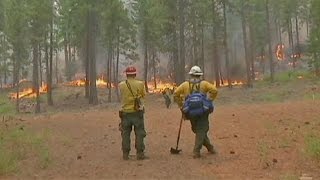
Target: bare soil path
[[264, 141]]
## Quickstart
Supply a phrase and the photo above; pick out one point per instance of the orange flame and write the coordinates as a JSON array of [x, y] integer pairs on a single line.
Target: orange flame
[[100, 82], [233, 83], [161, 86], [280, 52], [29, 92]]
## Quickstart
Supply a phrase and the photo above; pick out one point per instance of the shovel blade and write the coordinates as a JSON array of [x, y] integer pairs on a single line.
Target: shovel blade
[[175, 151]]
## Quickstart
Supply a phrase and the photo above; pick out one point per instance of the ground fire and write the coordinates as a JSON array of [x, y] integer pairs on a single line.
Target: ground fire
[[233, 83], [29, 92], [161, 86], [280, 52], [100, 82]]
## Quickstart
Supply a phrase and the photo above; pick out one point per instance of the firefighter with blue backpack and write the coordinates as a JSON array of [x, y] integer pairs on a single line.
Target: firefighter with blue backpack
[[194, 98]]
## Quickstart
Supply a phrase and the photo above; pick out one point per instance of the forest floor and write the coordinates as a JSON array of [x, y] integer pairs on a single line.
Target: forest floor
[[268, 132]]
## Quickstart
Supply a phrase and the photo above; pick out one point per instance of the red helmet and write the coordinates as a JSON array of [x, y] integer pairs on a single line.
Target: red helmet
[[131, 70]]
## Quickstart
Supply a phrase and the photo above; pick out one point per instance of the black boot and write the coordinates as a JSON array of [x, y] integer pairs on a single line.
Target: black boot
[[125, 156], [141, 156], [212, 150], [196, 155]]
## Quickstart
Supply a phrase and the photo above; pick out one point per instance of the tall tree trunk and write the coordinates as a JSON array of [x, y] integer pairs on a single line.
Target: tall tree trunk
[[117, 66], [194, 39], [5, 73], [49, 74], [298, 39], [182, 62], [252, 51], [202, 48], [263, 60], [216, 61], [316, 65], [225, 42], [269, 42], [175, 57], [40, 60], [46, 50], [109, 69], [154, 68], [290, 33], [244, 31], [93, 97], [16, 59], [66, 56], [146, 64], [70, 58], [35, 74], [56, 67], [86, 54]]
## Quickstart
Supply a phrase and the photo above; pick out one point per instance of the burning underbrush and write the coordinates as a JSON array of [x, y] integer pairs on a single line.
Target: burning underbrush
[[26, 91], [100, 82]]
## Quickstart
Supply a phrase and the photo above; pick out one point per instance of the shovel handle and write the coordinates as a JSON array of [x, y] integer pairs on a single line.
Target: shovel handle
[[178, 139]]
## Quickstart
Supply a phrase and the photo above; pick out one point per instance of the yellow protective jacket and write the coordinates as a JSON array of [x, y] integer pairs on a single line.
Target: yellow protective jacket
[[127, 99], [184, 90]]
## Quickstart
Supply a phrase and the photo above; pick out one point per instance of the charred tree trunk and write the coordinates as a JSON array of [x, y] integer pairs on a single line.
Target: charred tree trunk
[[269, 43], [225, 42]]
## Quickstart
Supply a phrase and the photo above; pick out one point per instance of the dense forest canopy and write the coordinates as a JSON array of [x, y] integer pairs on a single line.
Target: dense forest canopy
[[60, 40]]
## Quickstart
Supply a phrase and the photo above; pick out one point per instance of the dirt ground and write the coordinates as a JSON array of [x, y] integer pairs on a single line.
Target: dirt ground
[[255, 141]]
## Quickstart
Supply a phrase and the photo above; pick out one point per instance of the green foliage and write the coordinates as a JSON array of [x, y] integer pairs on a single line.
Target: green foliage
[[263, 149], [117, 28], [314, 40], [313, 146], [6, 106], [289, 76], [289, 177], [17, 145]]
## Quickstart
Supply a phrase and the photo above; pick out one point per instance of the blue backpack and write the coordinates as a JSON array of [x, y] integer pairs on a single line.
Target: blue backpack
[[196, 103]]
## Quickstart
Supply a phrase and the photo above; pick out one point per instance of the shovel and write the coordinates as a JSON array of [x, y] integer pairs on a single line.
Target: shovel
[[176, 150]]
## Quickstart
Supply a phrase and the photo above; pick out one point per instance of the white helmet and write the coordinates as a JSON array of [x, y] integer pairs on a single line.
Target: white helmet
[[196, 70]]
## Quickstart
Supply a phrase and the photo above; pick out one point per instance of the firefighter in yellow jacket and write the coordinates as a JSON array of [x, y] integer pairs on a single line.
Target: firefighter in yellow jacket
[[132, 113], [199, 124]]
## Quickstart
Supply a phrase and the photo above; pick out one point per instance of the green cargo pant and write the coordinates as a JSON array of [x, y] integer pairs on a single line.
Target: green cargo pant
[[129, 120], [200, 126]]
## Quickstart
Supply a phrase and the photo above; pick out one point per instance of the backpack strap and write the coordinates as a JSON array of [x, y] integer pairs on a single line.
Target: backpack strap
[[192, 87], [129, 87]]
